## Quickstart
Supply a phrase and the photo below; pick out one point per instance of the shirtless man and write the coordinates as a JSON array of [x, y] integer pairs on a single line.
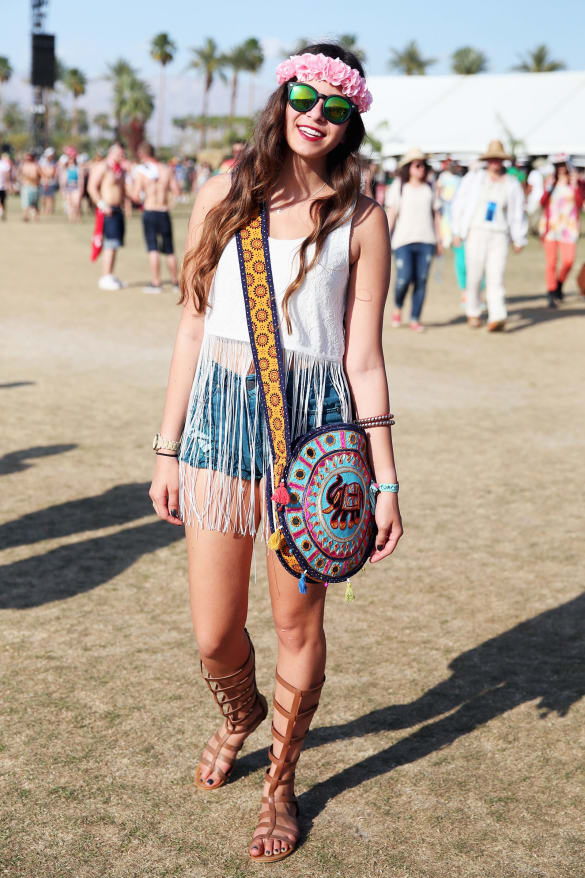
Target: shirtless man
[[106, 187], [154, 182], [30, 178]]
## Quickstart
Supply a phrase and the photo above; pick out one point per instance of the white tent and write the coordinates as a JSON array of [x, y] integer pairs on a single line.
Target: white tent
[[543, 112]]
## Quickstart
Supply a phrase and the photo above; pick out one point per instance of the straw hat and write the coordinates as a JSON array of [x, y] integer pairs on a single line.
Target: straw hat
[[414, 154], [495, 151]]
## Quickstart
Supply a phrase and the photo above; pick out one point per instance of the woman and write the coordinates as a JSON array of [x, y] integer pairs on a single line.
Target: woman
[[562, 201], [330, 263], [73, 186], [414, 221]]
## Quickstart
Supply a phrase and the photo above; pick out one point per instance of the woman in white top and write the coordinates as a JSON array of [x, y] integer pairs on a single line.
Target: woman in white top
[[414, 220], [330, 260]]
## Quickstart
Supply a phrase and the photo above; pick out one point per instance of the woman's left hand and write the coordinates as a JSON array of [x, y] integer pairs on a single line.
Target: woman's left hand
[[389, 524]]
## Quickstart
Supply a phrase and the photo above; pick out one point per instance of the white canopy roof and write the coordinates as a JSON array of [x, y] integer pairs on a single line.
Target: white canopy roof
[[461, 114]]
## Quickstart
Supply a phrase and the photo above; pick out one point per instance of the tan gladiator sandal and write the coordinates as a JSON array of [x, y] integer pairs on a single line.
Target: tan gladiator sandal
[[243, 707], [276, 820]]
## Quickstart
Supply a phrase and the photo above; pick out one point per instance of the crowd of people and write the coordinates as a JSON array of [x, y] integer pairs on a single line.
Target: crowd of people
[[478, 211], [432, 205]]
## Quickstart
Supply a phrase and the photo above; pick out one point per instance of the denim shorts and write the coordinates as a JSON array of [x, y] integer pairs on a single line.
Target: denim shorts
[[200, 449]]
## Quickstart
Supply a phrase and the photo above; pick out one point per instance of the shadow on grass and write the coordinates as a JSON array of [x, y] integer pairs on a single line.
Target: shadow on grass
[[119, 505], [71, 570], [16, 461], [80, 567], [541, 660]]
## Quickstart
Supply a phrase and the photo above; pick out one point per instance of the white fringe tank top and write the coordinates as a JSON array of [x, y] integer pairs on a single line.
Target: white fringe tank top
[[313, 355]]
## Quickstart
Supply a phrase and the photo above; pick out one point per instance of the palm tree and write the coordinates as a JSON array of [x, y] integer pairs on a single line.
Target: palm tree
[[5, 74], [255, 60], [349, 42], [120, 74], [237, 60], [162, 50], [410, 60], [75, 81], [467, 61], [209, 62], [538, 61], [249, 57], [136, 109]]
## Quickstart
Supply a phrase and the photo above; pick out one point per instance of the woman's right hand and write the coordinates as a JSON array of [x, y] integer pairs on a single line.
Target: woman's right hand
[[164, 491]]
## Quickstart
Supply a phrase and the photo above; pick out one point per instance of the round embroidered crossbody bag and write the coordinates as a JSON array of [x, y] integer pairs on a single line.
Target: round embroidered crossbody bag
[[318, 497]]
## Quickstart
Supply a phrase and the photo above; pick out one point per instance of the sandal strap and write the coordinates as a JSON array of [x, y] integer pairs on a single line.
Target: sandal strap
[[236, 694], [241, 705], [284, 766]]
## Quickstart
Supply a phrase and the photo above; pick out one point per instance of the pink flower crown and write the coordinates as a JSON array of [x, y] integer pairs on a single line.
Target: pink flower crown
[[332, 70]]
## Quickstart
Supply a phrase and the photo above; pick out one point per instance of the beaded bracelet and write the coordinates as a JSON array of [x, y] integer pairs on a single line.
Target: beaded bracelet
[[377, 421]]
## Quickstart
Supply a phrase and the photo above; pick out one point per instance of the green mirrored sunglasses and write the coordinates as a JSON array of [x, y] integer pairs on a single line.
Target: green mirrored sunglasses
[[303, 97]]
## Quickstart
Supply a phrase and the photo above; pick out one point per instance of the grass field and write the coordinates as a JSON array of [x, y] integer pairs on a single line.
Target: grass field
[[449, 740]]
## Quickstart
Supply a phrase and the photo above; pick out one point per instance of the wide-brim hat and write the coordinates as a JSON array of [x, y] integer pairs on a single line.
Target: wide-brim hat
[[495, 150], [414, 154], [560, 158]]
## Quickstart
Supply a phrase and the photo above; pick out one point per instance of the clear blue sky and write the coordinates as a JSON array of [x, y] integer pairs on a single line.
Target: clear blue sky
[[92, 32]]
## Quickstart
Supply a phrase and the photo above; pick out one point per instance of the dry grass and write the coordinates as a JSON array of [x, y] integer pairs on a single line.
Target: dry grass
[[449, 739]]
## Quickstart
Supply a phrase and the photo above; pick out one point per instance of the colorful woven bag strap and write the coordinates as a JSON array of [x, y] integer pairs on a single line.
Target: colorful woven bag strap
[[264, 332]]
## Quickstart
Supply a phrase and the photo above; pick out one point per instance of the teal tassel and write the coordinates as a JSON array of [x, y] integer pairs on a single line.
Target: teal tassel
[[303, 583]]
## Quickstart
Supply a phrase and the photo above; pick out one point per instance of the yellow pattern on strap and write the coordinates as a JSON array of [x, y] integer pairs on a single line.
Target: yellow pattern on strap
[[265, 335]]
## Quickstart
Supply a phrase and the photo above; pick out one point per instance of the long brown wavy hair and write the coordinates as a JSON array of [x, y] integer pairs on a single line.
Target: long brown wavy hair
[[256, 174]]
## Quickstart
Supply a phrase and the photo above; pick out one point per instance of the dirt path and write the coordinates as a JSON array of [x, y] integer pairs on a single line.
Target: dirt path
[[450, 735]]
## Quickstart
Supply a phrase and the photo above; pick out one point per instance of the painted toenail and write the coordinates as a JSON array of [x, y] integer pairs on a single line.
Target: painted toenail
[[209, 780]]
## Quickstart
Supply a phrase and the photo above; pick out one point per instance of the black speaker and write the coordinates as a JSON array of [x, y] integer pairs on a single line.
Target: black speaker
[[43, 60]]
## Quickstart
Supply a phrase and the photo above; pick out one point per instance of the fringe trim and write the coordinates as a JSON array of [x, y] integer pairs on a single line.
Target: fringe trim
[[209, 496]]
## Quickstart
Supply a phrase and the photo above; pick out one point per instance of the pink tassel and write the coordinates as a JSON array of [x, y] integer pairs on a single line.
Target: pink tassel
[[281, 495]]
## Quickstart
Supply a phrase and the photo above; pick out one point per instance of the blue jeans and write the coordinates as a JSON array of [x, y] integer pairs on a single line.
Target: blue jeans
[[413, 262], [202, 449]]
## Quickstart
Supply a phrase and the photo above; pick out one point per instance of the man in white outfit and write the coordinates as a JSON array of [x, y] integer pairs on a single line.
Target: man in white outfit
[[487, 212]]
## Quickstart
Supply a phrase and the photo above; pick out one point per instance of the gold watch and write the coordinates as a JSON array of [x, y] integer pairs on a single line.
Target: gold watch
[[159, 442]]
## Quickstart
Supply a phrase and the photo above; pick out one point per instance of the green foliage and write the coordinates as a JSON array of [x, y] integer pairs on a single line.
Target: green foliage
[[538, 60], [133, 102], [247, 56], [162, 49], [5, 69], [409, 60], [15, 121], [208, 62], [468, 61], [75, 81]]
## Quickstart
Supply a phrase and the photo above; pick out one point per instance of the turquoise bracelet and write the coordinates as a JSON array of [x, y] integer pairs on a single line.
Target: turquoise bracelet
[[376, 488]]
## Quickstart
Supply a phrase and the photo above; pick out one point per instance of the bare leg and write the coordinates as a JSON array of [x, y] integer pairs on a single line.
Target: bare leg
[[154, 267], [219, 574], [301, 662], [108, 260], [172, 264]]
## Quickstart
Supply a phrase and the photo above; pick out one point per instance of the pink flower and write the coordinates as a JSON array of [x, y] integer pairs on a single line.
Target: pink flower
[[332, 70]]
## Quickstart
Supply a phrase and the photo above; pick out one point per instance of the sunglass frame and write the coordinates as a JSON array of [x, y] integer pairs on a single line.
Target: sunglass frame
[[318, 97]]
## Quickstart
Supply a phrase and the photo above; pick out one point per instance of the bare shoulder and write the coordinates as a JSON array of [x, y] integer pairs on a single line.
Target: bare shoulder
[[369, 225], [211, 193], [369, 216], [98, 169]]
